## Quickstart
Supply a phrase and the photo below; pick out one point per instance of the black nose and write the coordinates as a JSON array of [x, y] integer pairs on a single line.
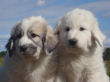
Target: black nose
[[23, 48], [72, 42], [28, 49]]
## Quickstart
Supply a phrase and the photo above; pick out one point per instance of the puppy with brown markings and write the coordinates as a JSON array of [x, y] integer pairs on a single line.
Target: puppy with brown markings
[[80, 48], [30, 52]]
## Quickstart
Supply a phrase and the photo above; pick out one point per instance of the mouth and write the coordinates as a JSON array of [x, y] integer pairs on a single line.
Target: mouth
[[72, 46], [29, 52], [25, 54]]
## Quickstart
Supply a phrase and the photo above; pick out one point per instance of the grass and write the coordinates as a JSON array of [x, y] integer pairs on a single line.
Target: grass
[[2, 55], [107, 63], [1, 61]]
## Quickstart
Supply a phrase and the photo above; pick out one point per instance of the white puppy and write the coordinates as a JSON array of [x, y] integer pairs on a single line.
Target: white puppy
[[80, 48], [30, 52]]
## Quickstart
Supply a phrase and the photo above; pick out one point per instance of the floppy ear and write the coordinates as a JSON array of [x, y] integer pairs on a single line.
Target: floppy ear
[[10, 46], [57, 28], [51, 40], [97, 34]]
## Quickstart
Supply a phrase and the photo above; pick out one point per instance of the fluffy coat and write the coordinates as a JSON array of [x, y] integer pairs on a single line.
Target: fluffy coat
[[80, 48], [36, 62]]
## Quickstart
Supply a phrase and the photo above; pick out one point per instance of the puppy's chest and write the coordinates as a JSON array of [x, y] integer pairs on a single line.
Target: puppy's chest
[[71, 69], [32, 76], [31, 73]]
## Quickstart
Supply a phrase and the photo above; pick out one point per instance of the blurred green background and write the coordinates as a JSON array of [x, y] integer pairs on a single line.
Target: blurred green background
[[106, 59], [2, 55]]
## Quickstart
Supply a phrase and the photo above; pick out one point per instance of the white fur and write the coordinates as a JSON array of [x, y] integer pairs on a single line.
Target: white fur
[[36, 68], [83, 63]]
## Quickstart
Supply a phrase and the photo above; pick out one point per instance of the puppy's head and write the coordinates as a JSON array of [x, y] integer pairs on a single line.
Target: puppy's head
[[79, 29], [30, 37]]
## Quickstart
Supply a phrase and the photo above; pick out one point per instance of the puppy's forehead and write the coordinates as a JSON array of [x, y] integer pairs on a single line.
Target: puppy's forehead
[[80, 14], [78, 18], [36, 24], [37, 28]]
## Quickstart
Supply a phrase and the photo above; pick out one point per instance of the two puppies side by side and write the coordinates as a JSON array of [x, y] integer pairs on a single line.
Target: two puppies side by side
[[30, 52], [31, 56], [80, 48]]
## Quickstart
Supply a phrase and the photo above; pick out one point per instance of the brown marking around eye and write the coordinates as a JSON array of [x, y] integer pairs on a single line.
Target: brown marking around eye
[[33, 35]]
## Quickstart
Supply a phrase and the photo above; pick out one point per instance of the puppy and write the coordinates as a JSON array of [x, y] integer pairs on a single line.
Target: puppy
[[30, 52], [80, 48]]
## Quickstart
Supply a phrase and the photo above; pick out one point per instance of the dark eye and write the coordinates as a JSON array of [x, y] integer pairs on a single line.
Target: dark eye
[[33, 35], [67, 29], [19, 35], [82, 29]]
